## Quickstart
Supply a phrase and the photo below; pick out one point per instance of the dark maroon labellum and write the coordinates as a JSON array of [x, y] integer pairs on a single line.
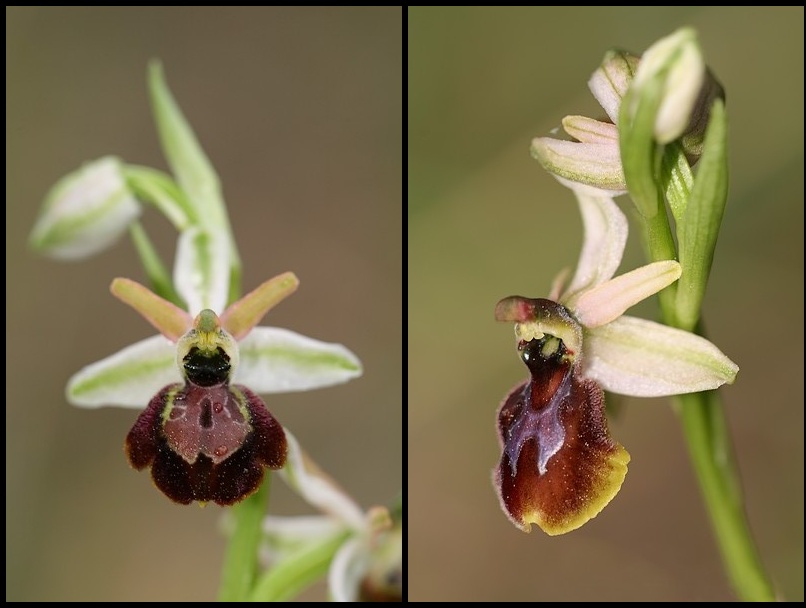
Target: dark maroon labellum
[[206, 442], [558, 465]]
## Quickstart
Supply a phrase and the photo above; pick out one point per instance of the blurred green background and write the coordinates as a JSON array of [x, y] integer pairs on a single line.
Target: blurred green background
[[485, 221], [300, 111]]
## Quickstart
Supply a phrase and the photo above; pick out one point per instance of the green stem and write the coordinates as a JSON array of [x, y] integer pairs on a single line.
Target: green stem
[[711, 453], [240, 559]]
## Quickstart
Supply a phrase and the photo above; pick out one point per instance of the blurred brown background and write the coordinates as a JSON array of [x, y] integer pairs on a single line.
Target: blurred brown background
[[300, 111], [486, 222]]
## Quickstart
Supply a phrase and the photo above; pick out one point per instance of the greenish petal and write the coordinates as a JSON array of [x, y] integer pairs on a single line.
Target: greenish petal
[[642, 358], [275, 360], [348, 568], [611, 80], [202, 270], [606, 231], [604, 303], [317, 488], [171, 321], [129, 378], [286, 534], [243, 315], [596, 165]]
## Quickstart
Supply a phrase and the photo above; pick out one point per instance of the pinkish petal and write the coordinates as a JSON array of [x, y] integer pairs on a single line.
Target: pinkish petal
[[241, 316], [170, 320], [590, 131], [611, 80], [605, 237], [589, 164], [608, 301], [641, 358]]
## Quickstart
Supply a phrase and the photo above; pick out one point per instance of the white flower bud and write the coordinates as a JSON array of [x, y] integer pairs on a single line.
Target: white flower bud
[[85, 212], [678, 62]]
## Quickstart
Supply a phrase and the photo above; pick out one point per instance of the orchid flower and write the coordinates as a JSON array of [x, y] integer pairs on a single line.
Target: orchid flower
[[204, 432], [203, 437], [272, 359], [559, 466], [363, 550]]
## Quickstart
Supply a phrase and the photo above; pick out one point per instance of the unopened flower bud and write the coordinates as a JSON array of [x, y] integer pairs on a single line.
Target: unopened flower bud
[[85, 212], [677, 65]]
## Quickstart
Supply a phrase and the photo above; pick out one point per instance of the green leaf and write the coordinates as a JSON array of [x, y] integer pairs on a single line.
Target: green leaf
[[188, 161], [677, 179], [300, 569], [192, 169], [159, 189], [638, 147], [698, 232]]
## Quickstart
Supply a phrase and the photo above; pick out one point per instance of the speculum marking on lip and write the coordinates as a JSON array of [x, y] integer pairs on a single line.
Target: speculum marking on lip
[[559, 466]]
